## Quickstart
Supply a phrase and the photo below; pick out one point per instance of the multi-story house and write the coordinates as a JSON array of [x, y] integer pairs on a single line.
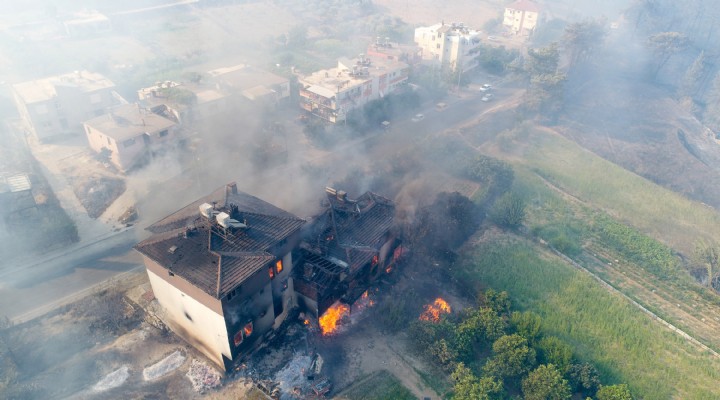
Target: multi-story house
[[229, 268], [221, 270], [452, 46], [59, 105], [131, 134], [331, 93], [521, 17]]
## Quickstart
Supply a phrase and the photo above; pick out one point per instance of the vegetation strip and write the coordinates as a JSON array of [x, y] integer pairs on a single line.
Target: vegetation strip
[[638, 305]]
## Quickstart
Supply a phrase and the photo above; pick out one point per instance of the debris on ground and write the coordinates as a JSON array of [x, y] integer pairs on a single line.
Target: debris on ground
[[96, 192], [113, 379], [202, 376], [299, 378], [164, 366], [130, 215]]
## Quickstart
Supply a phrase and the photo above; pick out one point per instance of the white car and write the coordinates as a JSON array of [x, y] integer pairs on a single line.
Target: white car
[[493, 38], [487, 97], [485, 87], [418, 118]]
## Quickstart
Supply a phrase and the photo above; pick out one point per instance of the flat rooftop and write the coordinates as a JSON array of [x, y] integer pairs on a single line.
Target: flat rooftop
[[327, 82], [129, 121], [45, 89]]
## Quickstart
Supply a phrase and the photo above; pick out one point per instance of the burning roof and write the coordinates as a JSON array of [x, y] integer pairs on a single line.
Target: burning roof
[[350, 232], [213, 257]]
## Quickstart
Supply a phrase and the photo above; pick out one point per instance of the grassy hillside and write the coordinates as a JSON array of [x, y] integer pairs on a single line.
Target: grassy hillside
[[656, 211], [625, 344]]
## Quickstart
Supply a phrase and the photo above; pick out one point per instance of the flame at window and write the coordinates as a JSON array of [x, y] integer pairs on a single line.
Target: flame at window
[[248, 329], [329, 321], [434, 311]]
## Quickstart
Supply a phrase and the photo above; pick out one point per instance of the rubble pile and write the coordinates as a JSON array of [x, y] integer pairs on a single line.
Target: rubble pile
[[202, 376], [299, 378]]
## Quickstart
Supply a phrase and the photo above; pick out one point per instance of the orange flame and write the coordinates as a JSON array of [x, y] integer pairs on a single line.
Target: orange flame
[[433, 311], [329, 320], [306, 322]]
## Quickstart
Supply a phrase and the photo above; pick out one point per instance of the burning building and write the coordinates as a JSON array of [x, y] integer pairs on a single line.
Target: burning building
[[347, 246], [228, 268], [221, 270]]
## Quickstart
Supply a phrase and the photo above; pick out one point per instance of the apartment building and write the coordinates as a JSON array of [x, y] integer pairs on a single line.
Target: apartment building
[[452, 46], [59, 105], [521, 17], [331, 93]]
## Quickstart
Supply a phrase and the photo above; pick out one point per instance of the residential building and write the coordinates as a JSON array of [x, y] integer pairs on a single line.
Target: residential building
[[16, 198], [251, 83], [59, 105], [221, 268], [186, 103], [521, 17], [349, 244], [452, 46], [331, 93], [384, 49], [131, 134], [229, 268]]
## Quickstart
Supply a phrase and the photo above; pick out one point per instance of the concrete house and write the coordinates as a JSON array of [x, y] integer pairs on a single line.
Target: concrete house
[[331, 93], [451, 46], [348, 245], [229, 268], [131, 134], [186, 103], [59, 105], [521, 17], [221, 268], [251, 83]]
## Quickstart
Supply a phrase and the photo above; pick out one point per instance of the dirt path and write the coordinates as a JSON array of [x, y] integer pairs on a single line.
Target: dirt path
[[374, 351]]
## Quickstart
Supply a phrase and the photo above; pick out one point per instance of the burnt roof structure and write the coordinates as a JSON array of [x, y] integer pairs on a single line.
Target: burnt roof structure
[[213, 254], [343, 239], [350, 232]]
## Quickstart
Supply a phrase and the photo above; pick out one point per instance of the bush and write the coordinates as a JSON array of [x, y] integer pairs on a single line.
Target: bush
[[509, 211]]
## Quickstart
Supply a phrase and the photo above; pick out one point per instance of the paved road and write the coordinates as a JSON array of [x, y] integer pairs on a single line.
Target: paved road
[[28, 290]]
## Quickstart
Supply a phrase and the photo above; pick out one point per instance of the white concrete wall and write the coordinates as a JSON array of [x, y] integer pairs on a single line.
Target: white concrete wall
[[206, 331]]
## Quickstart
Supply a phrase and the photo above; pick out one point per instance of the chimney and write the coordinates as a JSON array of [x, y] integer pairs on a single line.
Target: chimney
[[231, 188]]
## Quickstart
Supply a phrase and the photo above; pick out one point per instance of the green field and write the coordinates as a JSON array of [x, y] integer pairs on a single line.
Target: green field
[[654, 210], [381, 385], [625, 344]]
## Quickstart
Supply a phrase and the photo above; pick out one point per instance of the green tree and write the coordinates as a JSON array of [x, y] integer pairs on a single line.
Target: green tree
[[614, 392], [509, 211], [554, 351], [584, 378], [512, 357], [497, 301], [690, 83], [582, 40], [469, 387], [481, 324], [546, 83], [444, 354], [664, 45], [526, 324], [546, 383], [711, 116]]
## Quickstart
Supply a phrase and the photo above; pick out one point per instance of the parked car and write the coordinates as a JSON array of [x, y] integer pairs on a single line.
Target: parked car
[[485, 87], [418, 118], [492, 38], [487, 97], [440, 106]]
